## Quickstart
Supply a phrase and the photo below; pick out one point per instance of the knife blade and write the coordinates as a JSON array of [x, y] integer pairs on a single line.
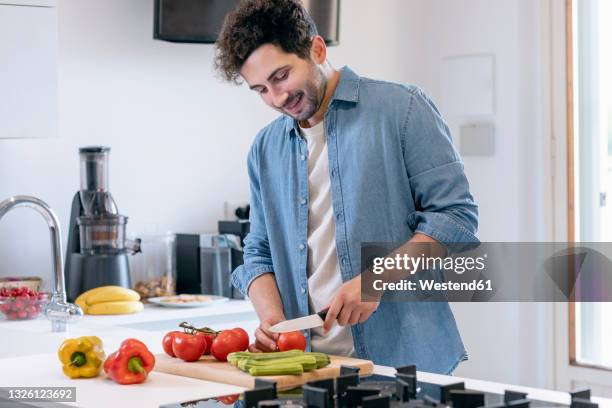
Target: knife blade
[[301, 323]]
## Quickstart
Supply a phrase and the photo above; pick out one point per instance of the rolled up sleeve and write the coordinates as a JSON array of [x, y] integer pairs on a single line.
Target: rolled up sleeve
[[257, 255], [444, 208]]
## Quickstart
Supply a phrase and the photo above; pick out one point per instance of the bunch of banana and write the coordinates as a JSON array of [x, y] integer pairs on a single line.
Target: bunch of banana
[[110, 300]]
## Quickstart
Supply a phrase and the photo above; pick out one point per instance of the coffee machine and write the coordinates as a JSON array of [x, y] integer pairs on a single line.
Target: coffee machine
[[98, 251], [205, 262]]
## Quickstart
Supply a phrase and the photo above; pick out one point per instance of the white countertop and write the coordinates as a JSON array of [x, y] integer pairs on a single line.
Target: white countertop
[[28, 358], [28, 355]]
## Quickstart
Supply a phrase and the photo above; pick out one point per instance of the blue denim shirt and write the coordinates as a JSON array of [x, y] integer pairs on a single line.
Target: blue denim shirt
[[393, 172]]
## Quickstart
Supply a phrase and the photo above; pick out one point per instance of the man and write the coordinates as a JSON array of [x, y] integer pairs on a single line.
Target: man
[[351, 160]]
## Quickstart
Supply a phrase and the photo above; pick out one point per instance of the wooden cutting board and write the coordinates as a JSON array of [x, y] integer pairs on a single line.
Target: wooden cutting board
[[207, 368]]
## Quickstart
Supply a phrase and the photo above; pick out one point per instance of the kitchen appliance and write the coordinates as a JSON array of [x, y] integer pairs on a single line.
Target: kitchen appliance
[[98, 250], [403, 390], [204, 262], [199, 21], [237, 230]]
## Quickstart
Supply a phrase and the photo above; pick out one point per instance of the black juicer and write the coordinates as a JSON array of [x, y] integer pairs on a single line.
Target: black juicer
[[97, 252]]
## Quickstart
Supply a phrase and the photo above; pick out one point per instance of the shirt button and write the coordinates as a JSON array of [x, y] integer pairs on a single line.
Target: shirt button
[[303, 290], [303, 201], [303, 157], [302, 247], [339, 216], [333, 173], [344, 260]]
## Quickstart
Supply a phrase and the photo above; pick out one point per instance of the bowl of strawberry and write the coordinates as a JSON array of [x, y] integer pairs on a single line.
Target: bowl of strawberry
[[22, 303]]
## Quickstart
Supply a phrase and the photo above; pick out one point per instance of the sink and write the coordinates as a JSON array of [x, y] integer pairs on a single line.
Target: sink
[[215, 321]]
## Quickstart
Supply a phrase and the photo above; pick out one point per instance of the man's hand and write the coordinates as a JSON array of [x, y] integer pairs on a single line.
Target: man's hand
[[265, 340], [347, 306], [266, 300]]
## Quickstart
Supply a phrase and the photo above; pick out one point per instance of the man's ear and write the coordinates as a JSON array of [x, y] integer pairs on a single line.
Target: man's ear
[[318, 50]]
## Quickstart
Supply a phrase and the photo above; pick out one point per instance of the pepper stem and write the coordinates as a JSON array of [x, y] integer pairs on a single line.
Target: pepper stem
[[135, 365], [78, 359]]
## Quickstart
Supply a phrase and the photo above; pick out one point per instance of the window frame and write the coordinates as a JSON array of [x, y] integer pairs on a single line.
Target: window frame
[[571, 168]]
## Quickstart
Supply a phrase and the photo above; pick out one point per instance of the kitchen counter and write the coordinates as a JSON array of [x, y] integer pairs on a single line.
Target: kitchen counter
[[28, 358], [28, 354]]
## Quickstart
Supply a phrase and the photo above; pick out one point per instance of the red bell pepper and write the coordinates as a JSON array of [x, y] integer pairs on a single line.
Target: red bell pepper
[[131, 364]]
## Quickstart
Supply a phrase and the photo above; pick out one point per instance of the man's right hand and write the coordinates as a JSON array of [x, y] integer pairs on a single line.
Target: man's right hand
[[265, 340]]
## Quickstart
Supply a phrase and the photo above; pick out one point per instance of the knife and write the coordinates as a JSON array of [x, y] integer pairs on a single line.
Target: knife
[[301, 323]]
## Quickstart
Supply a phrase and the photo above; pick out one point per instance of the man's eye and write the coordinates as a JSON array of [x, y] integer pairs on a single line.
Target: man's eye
[[282, 76]]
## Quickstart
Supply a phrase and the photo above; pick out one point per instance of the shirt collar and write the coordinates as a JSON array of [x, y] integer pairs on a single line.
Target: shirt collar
[[346, 90]]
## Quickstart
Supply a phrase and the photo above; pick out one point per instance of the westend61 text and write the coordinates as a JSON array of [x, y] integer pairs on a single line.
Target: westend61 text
[[430, 284]]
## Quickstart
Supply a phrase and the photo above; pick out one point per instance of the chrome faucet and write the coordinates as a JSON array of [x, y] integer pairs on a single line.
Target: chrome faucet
[[58, 310]]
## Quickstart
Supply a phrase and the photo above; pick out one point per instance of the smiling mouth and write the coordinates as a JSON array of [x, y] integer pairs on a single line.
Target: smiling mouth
[[295, 103]]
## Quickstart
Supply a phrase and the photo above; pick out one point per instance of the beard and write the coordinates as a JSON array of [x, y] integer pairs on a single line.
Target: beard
[[313, 94]]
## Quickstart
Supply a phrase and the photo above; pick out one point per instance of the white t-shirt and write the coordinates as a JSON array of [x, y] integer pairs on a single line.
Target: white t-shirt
[[324, 278]]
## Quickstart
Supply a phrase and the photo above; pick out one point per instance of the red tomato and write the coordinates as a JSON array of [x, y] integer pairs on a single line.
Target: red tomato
[[188, 347], [291, 341], [228, 399], [244, 338], [226, 342], [167, 342], [209, 341]]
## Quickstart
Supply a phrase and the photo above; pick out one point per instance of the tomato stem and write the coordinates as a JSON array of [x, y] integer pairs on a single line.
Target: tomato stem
[[192, 329]]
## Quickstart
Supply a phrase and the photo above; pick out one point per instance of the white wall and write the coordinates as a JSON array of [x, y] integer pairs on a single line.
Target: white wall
[[179, 137], [507, 342]]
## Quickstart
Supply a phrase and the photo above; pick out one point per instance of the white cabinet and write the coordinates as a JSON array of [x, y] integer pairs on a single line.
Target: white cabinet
[[28, 69]]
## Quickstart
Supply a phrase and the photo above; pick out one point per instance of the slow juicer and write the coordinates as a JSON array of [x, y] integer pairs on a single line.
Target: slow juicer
[[97, 252]]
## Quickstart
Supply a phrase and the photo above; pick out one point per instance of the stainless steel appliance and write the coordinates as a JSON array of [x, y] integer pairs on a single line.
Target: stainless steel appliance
[[204, 264], [198, 21], [98, 250]]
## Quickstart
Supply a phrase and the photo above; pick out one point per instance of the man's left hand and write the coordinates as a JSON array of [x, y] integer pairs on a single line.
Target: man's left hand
[[347, 307]]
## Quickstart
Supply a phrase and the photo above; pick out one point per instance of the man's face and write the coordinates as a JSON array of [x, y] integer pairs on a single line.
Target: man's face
[[285, 82]]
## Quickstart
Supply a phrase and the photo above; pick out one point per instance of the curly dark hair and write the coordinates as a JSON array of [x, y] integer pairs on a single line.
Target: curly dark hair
[[256, 22]]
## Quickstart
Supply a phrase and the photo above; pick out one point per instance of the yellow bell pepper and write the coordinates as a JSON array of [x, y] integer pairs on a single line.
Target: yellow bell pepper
[[81, 357]]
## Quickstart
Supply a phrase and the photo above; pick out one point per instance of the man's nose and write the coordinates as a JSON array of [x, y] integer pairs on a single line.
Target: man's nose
[[279, 98]]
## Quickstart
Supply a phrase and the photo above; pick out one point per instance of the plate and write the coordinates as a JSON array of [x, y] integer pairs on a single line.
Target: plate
[[187, 300]]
